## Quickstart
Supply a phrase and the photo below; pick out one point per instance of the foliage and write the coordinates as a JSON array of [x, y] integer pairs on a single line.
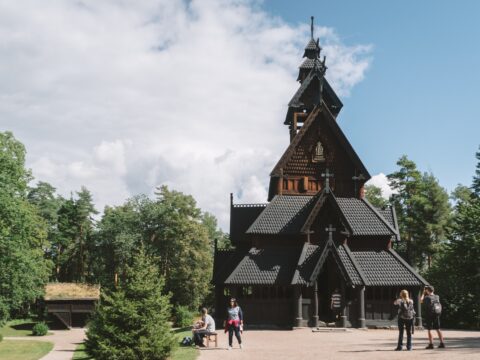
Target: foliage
[[1, 337], [40, 329], [183, 316], [131, 322], [170, 228], [374, 195], [476, 177], [423, 212], [23, 234], [24, 350], [48, 204], [75, 244], [456, 274]]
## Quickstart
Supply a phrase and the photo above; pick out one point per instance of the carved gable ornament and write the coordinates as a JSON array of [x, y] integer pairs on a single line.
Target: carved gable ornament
[[318, 154]]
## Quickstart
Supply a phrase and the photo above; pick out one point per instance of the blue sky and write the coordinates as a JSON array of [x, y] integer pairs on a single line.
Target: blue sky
[[420, 95], [122, 97]]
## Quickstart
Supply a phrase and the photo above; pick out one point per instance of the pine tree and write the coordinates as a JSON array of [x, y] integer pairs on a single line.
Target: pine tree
[[476, 177], [374, 196], [131, 322]]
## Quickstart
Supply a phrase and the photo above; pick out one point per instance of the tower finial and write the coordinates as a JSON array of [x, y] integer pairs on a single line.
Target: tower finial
[[311, 27]]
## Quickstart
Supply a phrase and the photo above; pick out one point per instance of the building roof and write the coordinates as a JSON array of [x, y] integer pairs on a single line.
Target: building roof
[[224, 262], [71, 291], [267, 266], [287, 265], [385, 268], [350, 266], [321, 113], [241, 217], [306, 263], [285, 214], [363, 219]]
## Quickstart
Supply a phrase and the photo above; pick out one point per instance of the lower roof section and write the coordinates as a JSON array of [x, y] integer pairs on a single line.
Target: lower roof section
[[297, 265], [267, 266]]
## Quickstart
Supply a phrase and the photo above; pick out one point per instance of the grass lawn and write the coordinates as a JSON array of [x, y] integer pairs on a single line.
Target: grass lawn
[[18, 327], [181, 353], [24, 350], [184, 352], [80, 353]]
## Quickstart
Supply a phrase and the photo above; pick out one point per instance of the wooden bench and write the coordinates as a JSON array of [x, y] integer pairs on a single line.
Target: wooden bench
[[211, 337]]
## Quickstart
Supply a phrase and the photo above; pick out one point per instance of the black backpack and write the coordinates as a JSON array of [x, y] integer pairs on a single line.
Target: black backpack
[[186, 341], [435, 305], [406, 310]]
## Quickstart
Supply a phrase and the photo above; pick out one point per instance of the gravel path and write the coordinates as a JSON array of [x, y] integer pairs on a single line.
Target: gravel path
[[351, 344], [65, 342]]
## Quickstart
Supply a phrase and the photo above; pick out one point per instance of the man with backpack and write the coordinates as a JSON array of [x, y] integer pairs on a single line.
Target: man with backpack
[[433, 310]]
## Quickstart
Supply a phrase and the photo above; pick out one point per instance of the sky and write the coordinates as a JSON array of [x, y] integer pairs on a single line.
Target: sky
[[124, 96]]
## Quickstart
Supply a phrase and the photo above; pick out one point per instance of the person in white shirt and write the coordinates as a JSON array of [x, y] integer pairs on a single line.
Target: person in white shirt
[[207, 328]]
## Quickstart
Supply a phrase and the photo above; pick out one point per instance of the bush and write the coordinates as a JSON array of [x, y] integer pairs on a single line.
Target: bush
[[183, 316], [40, 329], [1, 337]]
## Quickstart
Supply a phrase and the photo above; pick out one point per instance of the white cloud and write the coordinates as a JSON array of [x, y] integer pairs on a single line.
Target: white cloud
[[124, 96], [381, 181]]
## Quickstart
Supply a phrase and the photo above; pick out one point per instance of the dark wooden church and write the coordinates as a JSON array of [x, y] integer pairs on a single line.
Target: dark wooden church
[[317, 232]]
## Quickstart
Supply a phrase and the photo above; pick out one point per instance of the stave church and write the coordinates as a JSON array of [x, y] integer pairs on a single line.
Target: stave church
[[317, 232]]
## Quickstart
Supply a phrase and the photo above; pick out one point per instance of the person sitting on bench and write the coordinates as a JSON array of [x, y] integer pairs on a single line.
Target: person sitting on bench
[[207, 328]]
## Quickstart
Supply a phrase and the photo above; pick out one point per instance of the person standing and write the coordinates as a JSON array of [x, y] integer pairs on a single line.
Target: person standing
[[406, 315], [433, 310], [336, 304], [234, 323], [208, 327]]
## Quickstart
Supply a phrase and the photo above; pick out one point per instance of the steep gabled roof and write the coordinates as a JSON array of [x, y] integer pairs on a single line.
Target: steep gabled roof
[[285, 214], [316, 73], [320, 113], [306, 263], [363, 218], [266, 266]]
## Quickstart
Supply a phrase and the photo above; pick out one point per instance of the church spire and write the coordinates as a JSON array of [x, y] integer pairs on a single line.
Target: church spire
[[312, 55]]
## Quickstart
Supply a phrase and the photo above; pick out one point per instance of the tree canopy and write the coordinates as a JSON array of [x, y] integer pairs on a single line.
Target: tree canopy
[[23, 233]]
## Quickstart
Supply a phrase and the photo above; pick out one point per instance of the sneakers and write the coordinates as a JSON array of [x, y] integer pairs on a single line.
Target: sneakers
[[441, 346], [241, 346], [398, 348], [229, 348], [430, 346]]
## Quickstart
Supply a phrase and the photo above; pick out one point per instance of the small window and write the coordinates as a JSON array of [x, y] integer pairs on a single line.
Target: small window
[[318, 154]]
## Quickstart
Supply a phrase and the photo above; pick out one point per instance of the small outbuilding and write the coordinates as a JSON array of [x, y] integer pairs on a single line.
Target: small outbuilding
[[71, 303]]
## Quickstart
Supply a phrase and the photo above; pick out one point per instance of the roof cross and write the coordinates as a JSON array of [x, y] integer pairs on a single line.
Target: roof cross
[[330, 230], [327, 175], [357, 179]]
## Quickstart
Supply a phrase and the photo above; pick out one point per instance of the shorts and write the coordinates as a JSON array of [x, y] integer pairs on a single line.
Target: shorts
[[432, 322]]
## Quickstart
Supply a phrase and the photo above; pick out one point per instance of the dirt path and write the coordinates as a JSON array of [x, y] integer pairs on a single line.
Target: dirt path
[[353, 344], [65, 342]]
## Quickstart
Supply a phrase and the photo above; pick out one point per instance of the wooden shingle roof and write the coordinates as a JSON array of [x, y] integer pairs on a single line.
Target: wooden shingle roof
[[285, 214], [266, 266]]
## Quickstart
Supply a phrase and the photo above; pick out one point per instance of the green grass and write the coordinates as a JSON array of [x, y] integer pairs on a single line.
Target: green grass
[[184, 352], [24, 349], [80, 353], [18, 327], [180, 353]]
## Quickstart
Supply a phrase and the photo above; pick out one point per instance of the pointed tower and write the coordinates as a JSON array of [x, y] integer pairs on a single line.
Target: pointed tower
[[319, 154]]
